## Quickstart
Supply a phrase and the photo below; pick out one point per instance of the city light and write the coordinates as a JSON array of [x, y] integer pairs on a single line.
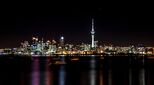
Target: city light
[[39, 47], [48, 48]]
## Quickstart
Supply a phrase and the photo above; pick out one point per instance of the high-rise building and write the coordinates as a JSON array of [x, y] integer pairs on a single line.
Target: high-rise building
[[92, 34], [61, 41]]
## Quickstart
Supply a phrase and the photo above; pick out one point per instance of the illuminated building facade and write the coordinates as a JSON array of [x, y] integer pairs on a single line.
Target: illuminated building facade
[[61, 41], [40, 47]]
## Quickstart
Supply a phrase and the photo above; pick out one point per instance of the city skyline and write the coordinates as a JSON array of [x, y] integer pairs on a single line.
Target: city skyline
[[114, 26], [41, 46]]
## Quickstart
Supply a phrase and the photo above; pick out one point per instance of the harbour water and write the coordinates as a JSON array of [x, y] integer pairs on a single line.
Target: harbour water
[[89, 70]]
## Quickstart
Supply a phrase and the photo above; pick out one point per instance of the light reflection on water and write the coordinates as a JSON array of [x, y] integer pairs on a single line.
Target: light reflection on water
[[111, 73], [110, 77], [142, 77], [62, 75], [35, 79], [48, 74], [101, 78], [93, 71]]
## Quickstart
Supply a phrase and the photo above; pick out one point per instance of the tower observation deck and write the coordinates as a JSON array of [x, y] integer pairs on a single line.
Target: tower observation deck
[[92, 34]]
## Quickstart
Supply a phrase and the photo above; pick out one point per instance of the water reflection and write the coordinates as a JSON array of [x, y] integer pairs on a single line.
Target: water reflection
[[62, 75], [110, 77], [101, 78], [130, 76], [48, 74], [35, 79], [142, 77], [115, 72], [93, 71], [142, 73]]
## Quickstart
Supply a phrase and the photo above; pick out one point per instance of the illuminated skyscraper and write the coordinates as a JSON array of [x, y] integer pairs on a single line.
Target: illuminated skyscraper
[[92, 34], [61, 42]]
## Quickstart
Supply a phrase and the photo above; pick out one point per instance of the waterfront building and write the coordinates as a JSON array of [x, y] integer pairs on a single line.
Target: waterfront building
[[45, 48]]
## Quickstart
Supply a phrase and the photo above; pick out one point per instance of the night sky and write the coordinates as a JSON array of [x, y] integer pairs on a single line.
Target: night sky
[[116, 25]]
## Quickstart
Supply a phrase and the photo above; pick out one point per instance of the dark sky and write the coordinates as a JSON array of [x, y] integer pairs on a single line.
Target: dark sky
[[117, 25]]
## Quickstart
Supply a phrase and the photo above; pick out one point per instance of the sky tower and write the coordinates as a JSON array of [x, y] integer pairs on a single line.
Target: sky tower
[[92, 34]]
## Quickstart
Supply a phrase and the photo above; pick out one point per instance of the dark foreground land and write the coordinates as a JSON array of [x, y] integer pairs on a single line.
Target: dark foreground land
[[77, 70]]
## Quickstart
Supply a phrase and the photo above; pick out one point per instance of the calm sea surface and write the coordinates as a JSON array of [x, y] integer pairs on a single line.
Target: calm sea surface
[[90, 70]]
